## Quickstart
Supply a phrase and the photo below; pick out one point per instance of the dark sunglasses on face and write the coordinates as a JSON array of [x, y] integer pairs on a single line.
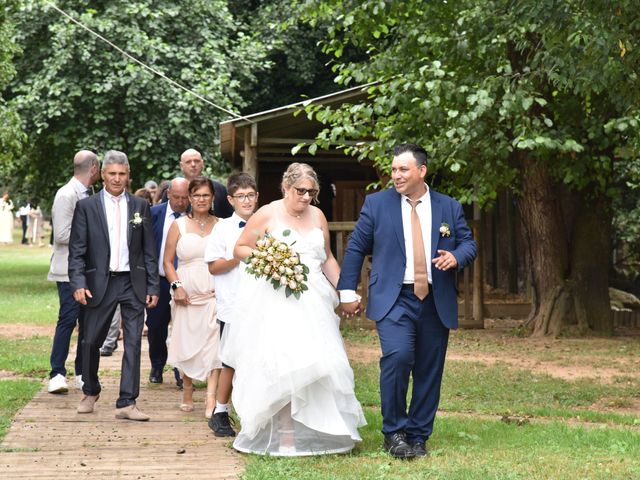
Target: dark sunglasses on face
[[311, 191]]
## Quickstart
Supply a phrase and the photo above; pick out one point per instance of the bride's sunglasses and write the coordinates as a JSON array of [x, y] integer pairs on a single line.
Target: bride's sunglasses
[[311, 191]]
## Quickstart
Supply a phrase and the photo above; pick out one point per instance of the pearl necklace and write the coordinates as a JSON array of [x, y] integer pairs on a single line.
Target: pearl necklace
[[202, 224]]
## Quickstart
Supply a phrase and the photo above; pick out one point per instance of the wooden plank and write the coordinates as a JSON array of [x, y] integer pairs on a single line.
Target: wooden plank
[[48, 439]]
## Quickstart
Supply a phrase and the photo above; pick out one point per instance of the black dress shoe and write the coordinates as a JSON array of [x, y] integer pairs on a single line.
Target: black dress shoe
[[155, 376], [419, 449], [397, 446], [221, 425]]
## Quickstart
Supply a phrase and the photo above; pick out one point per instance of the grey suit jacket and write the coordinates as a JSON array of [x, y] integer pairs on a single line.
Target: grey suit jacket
[[90, 253], [64, 205]]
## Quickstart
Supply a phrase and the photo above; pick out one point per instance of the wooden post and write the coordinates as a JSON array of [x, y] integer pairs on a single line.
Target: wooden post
[[250, 160], [468, 302], [478, 281]]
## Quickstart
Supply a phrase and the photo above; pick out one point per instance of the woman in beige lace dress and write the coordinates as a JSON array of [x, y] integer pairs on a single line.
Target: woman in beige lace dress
[[193, 348]]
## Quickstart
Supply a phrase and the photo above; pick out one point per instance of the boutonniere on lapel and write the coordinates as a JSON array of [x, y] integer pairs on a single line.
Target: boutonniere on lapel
[[137, 220], [445, 230]]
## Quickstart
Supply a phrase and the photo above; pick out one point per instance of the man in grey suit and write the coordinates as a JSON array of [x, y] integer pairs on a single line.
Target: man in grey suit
[[112, 261], [86, 171]]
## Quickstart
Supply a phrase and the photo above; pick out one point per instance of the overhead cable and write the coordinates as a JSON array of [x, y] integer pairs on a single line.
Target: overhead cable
[[147, 67]]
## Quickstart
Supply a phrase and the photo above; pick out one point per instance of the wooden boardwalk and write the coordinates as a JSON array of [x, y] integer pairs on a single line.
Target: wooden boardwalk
[[48, 439]]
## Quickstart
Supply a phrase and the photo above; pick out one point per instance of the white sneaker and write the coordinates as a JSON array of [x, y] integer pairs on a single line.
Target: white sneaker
[[79, 382], [58, 384]]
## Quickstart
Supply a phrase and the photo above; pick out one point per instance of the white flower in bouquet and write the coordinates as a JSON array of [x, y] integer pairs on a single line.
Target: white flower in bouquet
[[276, 262]]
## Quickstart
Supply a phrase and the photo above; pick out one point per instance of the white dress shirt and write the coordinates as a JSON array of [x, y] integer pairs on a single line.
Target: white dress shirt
[[169, 218], [221, 242], [120, 264], [424, 214]]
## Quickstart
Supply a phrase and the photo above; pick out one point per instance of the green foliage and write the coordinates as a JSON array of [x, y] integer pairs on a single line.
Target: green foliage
[[74, 91], [297, 66], [11, 136], [483, 84]]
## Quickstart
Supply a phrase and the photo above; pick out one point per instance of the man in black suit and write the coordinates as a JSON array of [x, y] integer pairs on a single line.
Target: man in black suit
[[112, 260], [192, 164], [162, 216]]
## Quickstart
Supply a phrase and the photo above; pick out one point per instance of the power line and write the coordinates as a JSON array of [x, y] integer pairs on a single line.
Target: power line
[[151, 69]]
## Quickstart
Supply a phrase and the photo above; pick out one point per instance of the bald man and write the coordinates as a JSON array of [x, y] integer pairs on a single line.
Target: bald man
[[192, 164], [86, 171], [162, 216]]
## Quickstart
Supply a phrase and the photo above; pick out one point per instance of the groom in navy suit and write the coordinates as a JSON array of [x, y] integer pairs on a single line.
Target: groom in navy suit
[[418, 240]]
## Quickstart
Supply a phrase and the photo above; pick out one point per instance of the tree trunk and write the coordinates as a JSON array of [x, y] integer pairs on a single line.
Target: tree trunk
[[569, 249], [590, 260]]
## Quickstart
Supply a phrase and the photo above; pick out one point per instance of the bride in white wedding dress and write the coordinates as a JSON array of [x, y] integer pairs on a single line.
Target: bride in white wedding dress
[[293, 388]]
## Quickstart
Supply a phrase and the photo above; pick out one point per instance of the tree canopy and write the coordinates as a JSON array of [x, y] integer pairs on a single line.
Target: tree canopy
[[11, 135], [541, 97], [74, 91]]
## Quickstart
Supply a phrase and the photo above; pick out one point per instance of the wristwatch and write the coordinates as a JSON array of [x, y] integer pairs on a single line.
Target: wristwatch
[[175, 284]]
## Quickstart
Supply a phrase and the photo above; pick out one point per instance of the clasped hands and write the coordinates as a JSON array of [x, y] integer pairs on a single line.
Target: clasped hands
[[351, 309]]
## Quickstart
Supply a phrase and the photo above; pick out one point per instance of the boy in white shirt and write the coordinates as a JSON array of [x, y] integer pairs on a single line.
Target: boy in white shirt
[[243, 196]]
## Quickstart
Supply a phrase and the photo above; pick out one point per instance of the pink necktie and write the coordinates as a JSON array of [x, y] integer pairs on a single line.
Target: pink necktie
[[420, 281], [116, 229]]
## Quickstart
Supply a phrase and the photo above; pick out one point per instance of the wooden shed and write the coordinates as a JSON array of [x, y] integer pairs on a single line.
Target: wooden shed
[[261, 144]]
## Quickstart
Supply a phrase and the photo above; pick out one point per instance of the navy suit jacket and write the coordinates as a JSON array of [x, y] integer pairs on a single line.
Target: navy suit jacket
[[379, 233], [90, 252]]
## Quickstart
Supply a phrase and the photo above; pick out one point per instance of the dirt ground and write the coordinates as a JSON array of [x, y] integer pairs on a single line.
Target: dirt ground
[[17, 330], [597, 358]]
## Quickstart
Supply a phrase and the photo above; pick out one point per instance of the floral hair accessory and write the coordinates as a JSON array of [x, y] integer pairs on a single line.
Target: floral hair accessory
[[276, 262], [445, 230]]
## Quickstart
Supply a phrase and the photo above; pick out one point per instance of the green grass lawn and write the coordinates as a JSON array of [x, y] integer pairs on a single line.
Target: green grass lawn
[[27, 298]]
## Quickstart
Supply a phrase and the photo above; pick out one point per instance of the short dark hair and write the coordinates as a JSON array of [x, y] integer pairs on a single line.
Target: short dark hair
[[419, 153], [240, 180], [198, 182]]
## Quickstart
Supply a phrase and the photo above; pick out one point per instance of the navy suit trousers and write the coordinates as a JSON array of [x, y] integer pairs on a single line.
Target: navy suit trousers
[[158, 327], [70, 312], [414, 343]]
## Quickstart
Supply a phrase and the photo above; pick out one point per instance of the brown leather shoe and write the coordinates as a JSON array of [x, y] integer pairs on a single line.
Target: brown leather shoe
[[131, 412], [87, 403]]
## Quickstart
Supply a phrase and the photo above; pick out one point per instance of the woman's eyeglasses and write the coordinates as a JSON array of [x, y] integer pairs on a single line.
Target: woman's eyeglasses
[[311, 191], [243, 197], [204, 196]]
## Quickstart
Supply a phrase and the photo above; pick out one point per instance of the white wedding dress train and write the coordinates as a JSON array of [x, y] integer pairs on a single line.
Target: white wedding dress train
[[293, 388]]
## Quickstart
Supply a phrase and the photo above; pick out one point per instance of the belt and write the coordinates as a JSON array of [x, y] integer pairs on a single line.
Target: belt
[[118, 274], [409, 286]]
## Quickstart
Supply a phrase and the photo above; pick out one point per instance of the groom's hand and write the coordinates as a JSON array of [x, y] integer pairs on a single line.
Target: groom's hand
[[350, 309], [445, 260]]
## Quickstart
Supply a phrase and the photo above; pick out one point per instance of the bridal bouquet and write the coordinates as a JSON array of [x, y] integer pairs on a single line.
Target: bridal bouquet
[[276, 262]]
